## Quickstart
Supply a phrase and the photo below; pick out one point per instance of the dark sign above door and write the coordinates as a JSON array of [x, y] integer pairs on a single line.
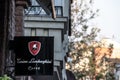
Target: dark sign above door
[[34, 55]]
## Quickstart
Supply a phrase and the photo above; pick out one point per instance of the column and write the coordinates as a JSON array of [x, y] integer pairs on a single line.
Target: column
[[19, 16]]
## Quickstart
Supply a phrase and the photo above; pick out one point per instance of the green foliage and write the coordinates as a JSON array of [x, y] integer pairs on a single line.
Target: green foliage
[[5, 77], [99, 76], [80, 75], [110, 76]]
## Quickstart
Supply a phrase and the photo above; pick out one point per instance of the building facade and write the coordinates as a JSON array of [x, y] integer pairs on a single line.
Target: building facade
[[39, 22], [32, 18], [11, 15]]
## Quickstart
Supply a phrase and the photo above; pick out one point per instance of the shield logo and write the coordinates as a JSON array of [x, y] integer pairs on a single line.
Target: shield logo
[[34, 47]]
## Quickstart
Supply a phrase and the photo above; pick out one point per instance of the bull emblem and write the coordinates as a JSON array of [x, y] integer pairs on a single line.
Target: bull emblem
[[34, 47]]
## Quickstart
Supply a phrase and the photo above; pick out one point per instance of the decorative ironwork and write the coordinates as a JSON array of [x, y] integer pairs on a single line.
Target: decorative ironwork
[[35, 10], [42, 8], [38, 10]]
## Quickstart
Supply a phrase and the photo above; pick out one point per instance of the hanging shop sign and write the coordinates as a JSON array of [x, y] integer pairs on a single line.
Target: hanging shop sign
[[34, 55]]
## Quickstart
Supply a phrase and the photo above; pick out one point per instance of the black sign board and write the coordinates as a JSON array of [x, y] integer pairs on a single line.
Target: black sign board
[[34, 55]]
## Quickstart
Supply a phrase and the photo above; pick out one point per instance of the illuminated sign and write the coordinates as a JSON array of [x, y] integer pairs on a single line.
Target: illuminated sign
[[34, 55]]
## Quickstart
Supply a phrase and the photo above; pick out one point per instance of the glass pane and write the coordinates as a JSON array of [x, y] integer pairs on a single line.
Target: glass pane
[[33, 32]]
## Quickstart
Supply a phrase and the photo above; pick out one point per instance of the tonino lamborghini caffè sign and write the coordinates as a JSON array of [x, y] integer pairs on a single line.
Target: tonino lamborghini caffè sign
[[34, 55]]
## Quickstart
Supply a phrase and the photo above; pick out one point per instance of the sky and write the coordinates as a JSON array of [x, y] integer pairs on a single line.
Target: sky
[[109, 18]]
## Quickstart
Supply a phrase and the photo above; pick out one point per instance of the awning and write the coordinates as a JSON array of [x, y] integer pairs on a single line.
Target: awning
[[48, 6]]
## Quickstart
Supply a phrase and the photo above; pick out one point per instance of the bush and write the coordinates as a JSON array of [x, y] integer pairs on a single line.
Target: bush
[[5, 77]]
